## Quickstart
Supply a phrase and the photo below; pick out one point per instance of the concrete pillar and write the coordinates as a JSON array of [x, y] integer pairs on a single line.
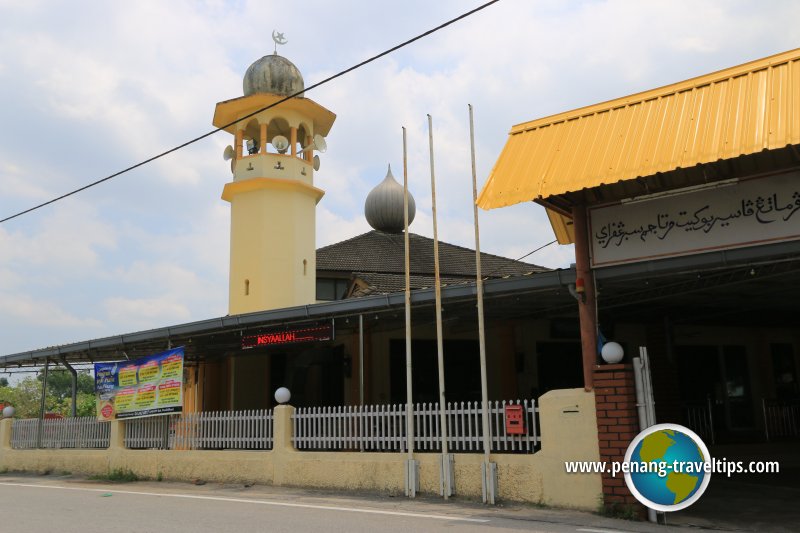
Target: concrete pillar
[[5, 433], [617, 425], [282, 447], [263, 139], [239, 138], [567, 423], [117, 439], [282, 428]]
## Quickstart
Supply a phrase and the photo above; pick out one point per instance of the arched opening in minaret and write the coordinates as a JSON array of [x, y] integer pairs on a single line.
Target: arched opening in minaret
[[252, 137], [278, 126], [304, 138]]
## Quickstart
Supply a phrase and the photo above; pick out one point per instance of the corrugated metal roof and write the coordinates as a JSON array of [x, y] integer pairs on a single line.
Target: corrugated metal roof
[[726, 114]]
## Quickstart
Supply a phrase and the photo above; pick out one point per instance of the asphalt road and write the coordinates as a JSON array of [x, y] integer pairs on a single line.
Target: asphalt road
[[50, 503]]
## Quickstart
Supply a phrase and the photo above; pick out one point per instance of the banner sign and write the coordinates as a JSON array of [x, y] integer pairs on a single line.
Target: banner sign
[[312, 333], [730, 215], [144, 387]]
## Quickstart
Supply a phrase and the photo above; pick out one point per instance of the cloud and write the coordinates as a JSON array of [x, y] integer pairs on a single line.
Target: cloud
[[69, 240], [90, 88], [145, 313], [20, 308]]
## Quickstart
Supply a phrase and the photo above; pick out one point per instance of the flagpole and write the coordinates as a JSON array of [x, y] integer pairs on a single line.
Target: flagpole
[[445, 471], [411, 468], [488, 471]]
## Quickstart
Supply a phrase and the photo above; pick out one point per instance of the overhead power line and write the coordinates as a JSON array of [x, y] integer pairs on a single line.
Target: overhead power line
[[536, 250], [212, 132], [496, 270]]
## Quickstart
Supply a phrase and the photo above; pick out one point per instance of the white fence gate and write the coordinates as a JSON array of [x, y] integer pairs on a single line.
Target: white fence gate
[[383, 428]]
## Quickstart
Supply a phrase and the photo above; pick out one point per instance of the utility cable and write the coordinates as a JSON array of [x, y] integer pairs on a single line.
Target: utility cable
[[212, 132], [487, 276]]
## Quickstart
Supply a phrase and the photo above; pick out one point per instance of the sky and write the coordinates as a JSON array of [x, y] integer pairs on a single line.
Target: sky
[[88, 88]]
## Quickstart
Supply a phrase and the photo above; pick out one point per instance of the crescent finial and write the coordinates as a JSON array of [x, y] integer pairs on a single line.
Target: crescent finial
[[278, 38]]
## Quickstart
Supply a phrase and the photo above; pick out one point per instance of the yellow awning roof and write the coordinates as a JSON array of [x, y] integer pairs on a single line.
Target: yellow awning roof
[[726, 114]]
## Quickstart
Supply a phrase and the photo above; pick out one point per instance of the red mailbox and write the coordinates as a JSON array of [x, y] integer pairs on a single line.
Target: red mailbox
[[515, 420]]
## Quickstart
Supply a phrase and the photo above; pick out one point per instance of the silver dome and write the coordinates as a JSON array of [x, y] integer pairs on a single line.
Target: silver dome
[[273, 74], [384, 206]]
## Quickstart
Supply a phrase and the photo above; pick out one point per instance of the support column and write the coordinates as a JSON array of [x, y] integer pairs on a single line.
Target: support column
[[263, 139], [282, 428], [117, 439], [617, 425], [5, 433], [239, 138], [282, 446], [586, 306]]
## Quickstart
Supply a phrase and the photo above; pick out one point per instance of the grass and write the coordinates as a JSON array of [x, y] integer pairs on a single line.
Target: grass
[[118, 476], [622, 511]]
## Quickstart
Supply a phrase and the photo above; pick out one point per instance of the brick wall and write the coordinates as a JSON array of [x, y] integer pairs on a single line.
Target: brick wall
[[617, 425]]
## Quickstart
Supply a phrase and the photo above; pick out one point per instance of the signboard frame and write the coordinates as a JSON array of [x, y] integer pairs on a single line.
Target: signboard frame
[[724, 215], [147, 386]]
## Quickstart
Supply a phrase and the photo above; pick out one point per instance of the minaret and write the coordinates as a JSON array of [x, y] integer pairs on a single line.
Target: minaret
[[272, 194]]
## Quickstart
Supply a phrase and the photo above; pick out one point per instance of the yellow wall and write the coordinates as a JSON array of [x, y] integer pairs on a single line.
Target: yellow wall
[[273, 202], [568, 428], [272, 233]]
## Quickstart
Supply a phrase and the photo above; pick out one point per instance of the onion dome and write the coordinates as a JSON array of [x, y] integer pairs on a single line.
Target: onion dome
[[384, 206], [273, 74]]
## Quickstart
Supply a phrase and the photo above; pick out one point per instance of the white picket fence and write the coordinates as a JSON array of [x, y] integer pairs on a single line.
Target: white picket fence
[[82, 432], [213, 430], [150, 432], [383, 428], [781, 419], [700, 419]]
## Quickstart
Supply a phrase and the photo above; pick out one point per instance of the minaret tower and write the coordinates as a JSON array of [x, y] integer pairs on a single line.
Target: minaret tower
[[272, 194]]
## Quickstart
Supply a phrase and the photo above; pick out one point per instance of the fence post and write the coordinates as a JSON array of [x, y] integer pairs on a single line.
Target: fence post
[[282, 428], [6, 425], [117, 439]]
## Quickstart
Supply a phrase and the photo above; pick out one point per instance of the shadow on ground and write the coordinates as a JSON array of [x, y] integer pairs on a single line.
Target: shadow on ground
[[750, 502]]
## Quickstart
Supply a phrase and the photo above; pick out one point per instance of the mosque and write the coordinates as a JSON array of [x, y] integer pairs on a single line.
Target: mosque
[[681, 202], [346, 299]]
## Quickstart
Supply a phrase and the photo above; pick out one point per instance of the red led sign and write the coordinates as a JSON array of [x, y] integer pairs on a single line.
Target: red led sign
[[317, 332]]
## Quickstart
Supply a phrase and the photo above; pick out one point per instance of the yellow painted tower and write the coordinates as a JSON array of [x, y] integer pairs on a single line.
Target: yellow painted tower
[[272, 194]]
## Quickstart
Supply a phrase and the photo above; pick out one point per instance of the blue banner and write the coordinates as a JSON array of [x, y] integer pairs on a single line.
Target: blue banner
[[147, 386]]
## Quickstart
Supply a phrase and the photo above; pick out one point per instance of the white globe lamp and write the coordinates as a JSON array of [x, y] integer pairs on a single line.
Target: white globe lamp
[[282, 395], [612, 352], [8, 411]]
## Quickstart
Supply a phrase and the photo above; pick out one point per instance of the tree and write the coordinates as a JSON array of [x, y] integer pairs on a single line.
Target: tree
[[26, 396], [59, 383]]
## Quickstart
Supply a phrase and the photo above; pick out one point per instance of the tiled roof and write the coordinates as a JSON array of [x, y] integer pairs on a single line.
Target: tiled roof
[[376, 252], [389, 283]]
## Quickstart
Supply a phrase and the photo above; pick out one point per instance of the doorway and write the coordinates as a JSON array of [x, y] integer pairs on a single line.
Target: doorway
[[718, 376]]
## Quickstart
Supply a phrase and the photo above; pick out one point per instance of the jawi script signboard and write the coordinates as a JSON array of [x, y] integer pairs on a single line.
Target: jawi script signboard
[[143, 387], [733, 215]]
